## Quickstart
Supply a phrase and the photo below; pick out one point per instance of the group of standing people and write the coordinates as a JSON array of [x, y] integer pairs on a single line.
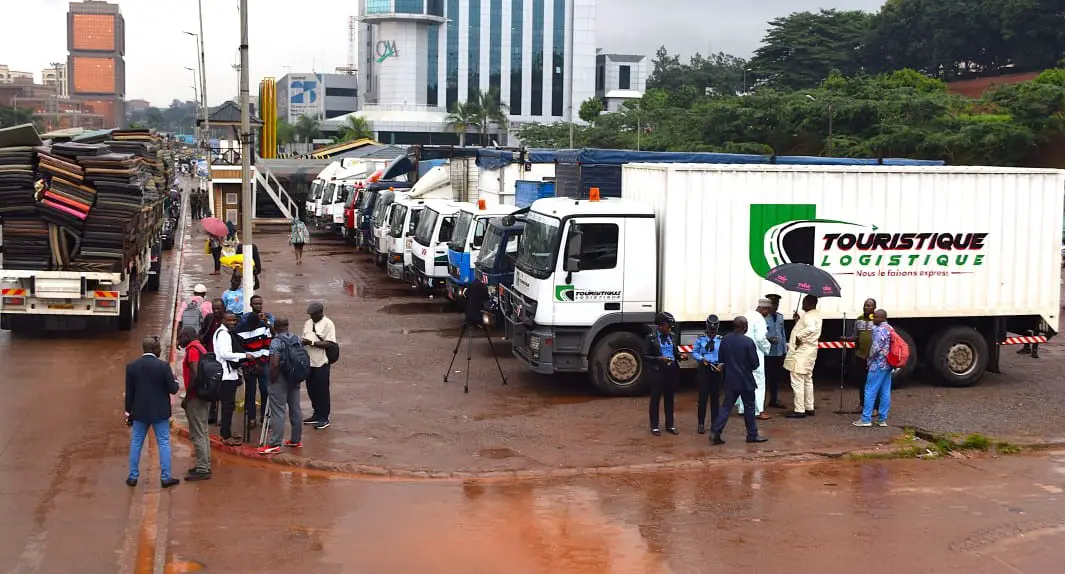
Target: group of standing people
[[254, 349], [744, 370]]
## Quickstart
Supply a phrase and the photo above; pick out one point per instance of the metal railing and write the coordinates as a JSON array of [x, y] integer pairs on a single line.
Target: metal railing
[[277, 192]]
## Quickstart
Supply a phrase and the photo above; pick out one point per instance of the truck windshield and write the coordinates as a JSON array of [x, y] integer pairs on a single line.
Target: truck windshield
[[493, 249], [536, 256], [316, 190], [423, 234], [395, 221], [379, 209], [462, 231], [329, 190], [342, 197]]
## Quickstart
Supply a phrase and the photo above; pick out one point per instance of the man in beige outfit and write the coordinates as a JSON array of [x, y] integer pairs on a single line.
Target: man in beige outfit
[[802, 354]]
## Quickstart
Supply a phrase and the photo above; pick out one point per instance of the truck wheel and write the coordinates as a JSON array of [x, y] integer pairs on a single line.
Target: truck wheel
[[959, 356], [125, 315], [906, 373], [617, 365], [5, 323], [153, 282]]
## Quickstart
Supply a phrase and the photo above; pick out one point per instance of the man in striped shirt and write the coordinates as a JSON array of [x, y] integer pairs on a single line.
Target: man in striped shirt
[[256, 331]]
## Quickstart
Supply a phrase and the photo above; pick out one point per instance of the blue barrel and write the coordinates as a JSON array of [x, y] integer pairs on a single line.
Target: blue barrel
[[526, 192]]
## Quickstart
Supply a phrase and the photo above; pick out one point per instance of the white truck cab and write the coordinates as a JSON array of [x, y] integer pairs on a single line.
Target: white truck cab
[[471, 224], [382, 222], [429, 255], [404, 219]]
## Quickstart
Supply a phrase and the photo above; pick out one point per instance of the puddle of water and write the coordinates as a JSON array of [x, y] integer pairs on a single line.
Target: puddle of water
[[353, 289], [496, 453], [417, 308]]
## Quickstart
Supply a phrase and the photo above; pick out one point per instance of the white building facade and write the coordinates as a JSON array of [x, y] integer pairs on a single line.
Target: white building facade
[[418, 58], [620, 78]]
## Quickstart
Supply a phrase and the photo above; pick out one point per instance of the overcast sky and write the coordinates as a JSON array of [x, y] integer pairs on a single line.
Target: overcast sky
[[306, 35]]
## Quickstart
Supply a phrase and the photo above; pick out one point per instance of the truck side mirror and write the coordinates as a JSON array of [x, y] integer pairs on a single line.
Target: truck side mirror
[[573, 251]]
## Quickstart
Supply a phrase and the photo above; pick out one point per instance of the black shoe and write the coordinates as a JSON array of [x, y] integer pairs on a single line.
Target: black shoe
[[1025, 350], [794, 415], [1035, 354], [656, 432], [131, 482], [777, 405], [170, 482], [319, 425], [810, 413], [673, 430], [701, 429], [310, 421], [195, 475], [715, 438], [758, 438]]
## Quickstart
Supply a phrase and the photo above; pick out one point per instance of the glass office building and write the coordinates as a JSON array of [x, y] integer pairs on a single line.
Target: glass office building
[[424, 56]]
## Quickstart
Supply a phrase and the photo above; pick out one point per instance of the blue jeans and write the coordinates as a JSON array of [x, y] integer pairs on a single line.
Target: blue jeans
[[161, 429], [877, 385]]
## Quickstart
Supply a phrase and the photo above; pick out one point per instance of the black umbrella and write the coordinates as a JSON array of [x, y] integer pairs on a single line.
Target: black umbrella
[[804, 278], [810, 280]]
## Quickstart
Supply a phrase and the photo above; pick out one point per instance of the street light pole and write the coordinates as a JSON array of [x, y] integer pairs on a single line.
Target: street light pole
[[195, 94], [830, 117], [206, 131], [246, 202]]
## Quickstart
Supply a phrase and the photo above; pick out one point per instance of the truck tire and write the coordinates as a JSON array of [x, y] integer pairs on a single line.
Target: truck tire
[[5, 323], [959, 356], [617, 365], [906, 373], [153, 282], [127, 309]]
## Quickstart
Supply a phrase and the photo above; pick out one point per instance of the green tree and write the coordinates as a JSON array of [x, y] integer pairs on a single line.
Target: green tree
[[15, 116], [590, 110], [286, 132], [800, 50], [554, 135], [489, 110], [463, 116], [718, 75], [307, 128], [355, 128]]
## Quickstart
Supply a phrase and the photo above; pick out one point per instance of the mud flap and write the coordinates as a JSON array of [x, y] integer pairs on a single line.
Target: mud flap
[[993, 336]]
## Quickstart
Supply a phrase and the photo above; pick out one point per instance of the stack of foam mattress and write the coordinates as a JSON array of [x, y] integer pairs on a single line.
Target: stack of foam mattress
[[67, 199], [25, 233]]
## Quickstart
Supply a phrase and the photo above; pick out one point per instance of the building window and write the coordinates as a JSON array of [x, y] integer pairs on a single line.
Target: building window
[[341, 92], [452, 53], [330, 114], [473, 90], [517, 23], [559, 60], [538, 58], [435, 7], [495, 41], [410, 6], [599, 245], [433, 71], [624, 77], [378, 6]]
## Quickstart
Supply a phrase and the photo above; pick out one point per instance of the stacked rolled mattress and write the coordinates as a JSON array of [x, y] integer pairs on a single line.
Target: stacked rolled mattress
[[25, 233]]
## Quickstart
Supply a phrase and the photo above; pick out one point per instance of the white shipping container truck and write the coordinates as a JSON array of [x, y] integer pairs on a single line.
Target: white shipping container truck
[[958, 256]]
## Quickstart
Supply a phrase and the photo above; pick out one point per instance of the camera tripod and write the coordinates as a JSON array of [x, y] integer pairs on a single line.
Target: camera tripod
[[467, 334]]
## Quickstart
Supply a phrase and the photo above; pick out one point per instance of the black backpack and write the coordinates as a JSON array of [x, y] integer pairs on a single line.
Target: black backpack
[[295, 362], [209, 378]]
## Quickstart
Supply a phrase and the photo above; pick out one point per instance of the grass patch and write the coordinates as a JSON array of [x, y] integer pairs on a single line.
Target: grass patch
[[914, 443]]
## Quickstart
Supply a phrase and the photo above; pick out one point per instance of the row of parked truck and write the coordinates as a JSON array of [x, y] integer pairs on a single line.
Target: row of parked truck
[[580, 249]]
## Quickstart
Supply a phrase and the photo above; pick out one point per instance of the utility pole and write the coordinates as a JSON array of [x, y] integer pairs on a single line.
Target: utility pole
[[195, 94], [206, 131], [247, 202]]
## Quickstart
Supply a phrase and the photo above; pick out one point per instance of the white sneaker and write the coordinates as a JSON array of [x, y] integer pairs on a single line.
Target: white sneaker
[[861, 424], [881, 423]]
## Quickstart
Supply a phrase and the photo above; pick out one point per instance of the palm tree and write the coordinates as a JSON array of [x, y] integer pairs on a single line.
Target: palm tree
[[356, 128], [307, 128], [286, 133], [462, 118], [491, 111]]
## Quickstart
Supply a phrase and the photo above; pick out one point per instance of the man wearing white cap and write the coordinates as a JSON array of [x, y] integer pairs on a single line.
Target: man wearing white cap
[[187, 316], [758, 331]]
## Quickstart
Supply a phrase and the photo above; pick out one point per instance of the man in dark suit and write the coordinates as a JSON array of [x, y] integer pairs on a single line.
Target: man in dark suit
[[739, 359], [149, 384]]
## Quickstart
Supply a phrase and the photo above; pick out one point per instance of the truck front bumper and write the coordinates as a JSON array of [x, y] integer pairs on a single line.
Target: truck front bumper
[[428, 283], [534, 347], [456, 291]]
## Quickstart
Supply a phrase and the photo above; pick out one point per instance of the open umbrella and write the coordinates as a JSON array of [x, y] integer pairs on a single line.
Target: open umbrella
[[804, 278], [214, 226], [810, 280]]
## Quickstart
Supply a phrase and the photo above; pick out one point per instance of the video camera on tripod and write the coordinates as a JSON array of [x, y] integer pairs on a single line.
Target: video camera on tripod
[[476, 296]]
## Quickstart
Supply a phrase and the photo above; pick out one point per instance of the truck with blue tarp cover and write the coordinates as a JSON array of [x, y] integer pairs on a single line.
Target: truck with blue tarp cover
[[579, 170], [500, 170]]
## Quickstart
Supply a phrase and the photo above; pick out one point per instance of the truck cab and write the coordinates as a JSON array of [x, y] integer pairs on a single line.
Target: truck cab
[[382, 224], [471, 224], [495, 263], [429, 251], [406, 214], [313, 197], [350, 206], [585, 289]]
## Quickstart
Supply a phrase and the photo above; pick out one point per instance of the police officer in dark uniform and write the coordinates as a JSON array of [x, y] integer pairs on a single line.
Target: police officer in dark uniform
[[708, 372], [662, 356]]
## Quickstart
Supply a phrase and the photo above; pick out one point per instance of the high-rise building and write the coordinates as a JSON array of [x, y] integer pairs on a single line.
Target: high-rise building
[[320, 96], [418, 58], [620, 78], [96, 41], [56, 77]]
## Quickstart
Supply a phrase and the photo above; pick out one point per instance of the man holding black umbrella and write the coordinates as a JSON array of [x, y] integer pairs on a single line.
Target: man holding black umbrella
[[802, 354]]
